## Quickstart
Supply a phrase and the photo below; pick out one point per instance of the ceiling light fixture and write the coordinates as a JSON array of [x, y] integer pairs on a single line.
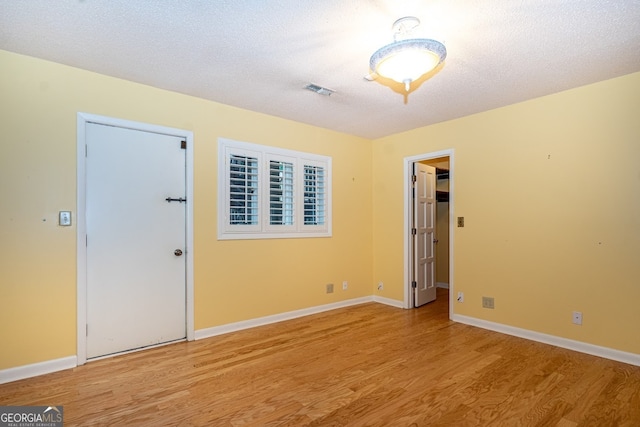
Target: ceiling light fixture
[[407, 59]]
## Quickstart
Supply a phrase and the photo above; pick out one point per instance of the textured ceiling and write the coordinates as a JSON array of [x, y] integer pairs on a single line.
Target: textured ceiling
[[259, 54]]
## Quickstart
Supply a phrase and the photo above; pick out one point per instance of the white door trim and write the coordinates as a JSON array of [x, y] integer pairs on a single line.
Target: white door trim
[[81, 230], [408, 206]]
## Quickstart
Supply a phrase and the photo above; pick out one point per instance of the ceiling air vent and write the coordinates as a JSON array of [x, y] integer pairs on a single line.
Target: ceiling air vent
[[319, 89]]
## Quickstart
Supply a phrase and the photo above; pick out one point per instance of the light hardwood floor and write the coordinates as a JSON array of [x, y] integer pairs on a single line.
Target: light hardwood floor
[[370, 365]]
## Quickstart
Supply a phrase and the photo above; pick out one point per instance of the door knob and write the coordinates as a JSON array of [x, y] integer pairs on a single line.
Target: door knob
[[177, 252]]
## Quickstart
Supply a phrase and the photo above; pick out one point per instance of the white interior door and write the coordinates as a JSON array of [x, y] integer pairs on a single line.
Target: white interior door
[[136, 268], [424, 280]]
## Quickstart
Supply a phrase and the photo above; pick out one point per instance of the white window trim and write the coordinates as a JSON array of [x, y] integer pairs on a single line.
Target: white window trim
[[263, 229]]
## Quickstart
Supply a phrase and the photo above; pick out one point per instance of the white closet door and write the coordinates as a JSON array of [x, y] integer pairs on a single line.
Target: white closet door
[[136, 260]]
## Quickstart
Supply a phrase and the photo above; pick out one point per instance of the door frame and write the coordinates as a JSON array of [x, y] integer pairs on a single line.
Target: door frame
[[408, 209], [83, 119]]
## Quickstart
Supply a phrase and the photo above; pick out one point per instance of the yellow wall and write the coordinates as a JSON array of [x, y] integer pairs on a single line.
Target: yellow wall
[[549, 188], [550, 192], [38, 105]]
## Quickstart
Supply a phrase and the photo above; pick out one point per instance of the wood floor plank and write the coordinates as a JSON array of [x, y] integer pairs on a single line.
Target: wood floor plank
[[369, 365]]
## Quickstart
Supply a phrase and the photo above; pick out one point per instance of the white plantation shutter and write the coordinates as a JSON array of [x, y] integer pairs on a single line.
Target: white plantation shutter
[[314, 195], [243, 190], [281, 193], [269, 192]]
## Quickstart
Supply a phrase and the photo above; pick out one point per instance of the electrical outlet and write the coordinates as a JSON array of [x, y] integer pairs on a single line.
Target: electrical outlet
[[330, 288], [460, 297], [345, 285], [380, 286], [460, 221], [577, 317], [488, 302]]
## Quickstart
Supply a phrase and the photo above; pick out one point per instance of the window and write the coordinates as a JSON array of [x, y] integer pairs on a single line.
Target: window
[[281, 193], [243, 190], [314, 195], [267, 192]]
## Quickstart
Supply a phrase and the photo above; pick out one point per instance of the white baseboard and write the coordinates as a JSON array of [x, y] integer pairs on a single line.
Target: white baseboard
[[389, 301], [35, 369], [595, 350], [261, 321], [442, 285]]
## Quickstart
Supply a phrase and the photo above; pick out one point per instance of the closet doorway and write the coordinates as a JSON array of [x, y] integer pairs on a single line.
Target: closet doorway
[[440, 244]]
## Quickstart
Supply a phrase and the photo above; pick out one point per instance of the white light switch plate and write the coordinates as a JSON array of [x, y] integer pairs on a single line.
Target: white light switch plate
[[64, 218]]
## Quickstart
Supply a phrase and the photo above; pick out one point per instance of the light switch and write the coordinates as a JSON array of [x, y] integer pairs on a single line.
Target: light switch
[[64, 218], [460, 221]]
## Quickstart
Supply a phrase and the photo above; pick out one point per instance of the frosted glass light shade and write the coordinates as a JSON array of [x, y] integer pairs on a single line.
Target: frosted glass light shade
[[406, 60]]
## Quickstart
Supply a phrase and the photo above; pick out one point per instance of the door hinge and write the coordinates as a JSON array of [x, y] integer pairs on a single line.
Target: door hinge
[[414, 231], [414, 284], [183, 145], [414, 178]]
